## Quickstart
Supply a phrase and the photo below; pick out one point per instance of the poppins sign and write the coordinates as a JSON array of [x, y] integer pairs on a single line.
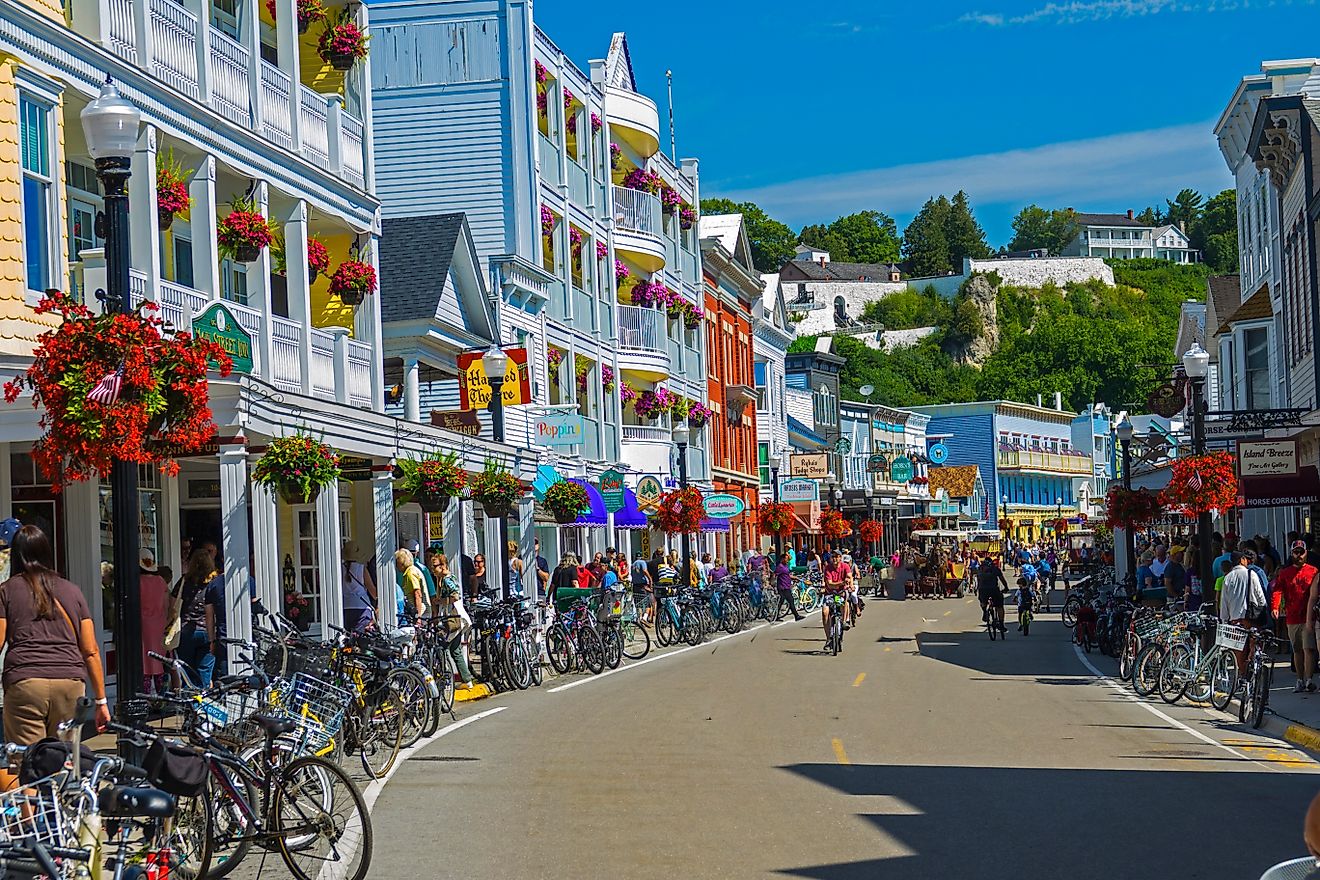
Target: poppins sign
[[723, 506], [1267, 458], [559, 429], [799, 490], [814, 465]]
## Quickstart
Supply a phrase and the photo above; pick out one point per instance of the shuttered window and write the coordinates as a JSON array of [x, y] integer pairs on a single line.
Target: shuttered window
[[34, 119]]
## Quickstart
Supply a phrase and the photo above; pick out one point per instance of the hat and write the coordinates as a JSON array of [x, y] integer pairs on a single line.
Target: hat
[[147, 559], [1299, 545], [352, 551], [8, 529]]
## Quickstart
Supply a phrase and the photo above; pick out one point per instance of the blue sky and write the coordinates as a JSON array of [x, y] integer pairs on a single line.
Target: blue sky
[[816, 110]]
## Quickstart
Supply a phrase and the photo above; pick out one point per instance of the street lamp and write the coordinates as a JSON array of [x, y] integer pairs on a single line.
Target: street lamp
[[110, 125], [1125, 432], [1196, 363], [1058, 515], [495, 361], [681, 438], [774, 489]]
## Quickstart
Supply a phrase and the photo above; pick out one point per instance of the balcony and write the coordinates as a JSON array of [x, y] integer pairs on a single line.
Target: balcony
[[637, 227], [633, 118], [1044, 462], [647, 448], [643, 347]]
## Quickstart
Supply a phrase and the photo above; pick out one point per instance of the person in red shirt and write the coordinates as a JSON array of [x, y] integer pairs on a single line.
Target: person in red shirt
[[1294, 587]]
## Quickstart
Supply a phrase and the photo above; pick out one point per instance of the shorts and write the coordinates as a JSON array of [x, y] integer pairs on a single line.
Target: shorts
[[993, 596], [1297, 632], [35, 706]]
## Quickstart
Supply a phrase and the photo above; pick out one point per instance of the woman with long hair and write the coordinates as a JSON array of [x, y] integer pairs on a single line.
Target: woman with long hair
[[53, 656], [203, 615]]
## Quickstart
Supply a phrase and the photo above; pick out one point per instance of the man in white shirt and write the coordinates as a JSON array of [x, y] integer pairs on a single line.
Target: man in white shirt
[[1242, 588]]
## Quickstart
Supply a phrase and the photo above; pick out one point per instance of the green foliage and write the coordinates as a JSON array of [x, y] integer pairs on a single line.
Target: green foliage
[[772, 242], [1221, 252], [965, 236], [925, 244], [922, 374], [908, 308], [864, 237], [1035, 227], [1215, 234], [1185, 207], [803, 344], [1151, 217]]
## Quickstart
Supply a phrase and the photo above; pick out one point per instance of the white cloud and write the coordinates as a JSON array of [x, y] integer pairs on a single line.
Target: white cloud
[[993, 19], [1101, 174], [1078, 11]]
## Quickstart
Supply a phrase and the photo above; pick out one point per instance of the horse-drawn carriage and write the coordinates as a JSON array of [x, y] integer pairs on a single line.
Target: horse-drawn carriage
[[935, 566]]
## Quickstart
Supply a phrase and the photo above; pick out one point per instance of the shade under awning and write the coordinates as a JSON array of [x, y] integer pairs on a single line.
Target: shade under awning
[[713, 525], [630, 516], [595, 515], [1299, 490]]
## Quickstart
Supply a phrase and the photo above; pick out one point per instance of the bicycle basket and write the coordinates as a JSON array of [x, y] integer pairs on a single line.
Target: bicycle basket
[[177, 769], [1147, 626], [35, 813], [610, 609], [317, 707], [1234, 638]]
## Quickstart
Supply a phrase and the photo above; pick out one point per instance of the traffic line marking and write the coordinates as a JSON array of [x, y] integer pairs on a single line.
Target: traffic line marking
[[947, 613], [861, 675], [840, 755], [375, 788], [887, 650]]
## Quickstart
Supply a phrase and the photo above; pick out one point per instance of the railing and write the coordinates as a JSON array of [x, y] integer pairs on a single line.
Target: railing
[[123, 38], [359, 373], [323, 363], [691, 273], [584, 311], [1045, 461], [641, 328], [577, 183], [549, 160], [285, 336], [275, 115], [636, 210], [179, 303], [557, 292], [651, 433], [174, 46], [137, 286], [229, 78], [351, 148], [313, 126]]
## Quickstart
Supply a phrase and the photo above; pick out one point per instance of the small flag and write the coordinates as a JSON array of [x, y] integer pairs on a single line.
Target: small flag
[[1194, 481], [107, 390]]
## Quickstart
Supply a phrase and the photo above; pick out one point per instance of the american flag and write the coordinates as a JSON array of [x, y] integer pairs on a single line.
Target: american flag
[[107, 390], [1194, 481]]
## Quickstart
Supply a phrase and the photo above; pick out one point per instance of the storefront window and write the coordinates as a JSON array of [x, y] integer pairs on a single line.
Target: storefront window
[[149, 513]]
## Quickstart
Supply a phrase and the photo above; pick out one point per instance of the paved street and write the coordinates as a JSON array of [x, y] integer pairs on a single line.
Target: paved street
[[924, 750]]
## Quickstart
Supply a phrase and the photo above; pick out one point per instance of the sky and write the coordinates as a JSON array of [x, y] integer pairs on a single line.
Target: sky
[[818, 110]]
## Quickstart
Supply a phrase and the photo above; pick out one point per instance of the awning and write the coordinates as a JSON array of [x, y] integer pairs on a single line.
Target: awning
[[595, 516], [629, 517], [1300, 490], [714, 525], [802, 437]]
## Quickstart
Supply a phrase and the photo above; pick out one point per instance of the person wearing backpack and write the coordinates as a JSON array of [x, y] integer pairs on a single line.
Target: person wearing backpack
[[1243, 601], [359, 590]]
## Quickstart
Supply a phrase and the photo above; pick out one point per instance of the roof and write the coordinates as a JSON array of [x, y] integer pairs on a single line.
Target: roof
[[415, 256], [1109, 220], [802, 437], [958, 480], [724, 227], [839, 271], [1224, 295], [1255, 308], [1169, 227]]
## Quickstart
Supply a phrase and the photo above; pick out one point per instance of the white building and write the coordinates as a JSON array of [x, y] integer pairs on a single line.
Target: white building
[[771, 336], [1172, 244], [1122, 236]]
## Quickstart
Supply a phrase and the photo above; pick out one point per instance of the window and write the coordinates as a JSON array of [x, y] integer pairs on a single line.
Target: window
[[825, 410], [308, 564], [34, 119], [763, 460], [233, 282], [1256, 368], [183, 262], [761, 371]]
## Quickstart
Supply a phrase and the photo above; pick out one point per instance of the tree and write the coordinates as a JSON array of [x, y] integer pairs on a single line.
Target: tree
[[1215, 233], [907, 309], [1220, 252], [1185, 208], [964, 235], [864, 237], [925, 243], [772, 242], [1151, 217], [820, 237], [1036, 227]]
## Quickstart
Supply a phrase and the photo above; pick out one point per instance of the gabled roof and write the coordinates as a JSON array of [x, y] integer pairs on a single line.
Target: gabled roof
[[958, 480], [418, 256], [1169, 227], [1108, 220], [1255, 308], [618, 64], [1224, 295], [728, 230], [838, 271]]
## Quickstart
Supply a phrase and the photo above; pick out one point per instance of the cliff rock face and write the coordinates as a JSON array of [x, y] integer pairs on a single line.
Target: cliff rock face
[[981, 291]]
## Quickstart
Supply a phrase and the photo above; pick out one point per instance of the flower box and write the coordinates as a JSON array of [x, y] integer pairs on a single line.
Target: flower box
[[296, 468], [496, 489], [566, 501]]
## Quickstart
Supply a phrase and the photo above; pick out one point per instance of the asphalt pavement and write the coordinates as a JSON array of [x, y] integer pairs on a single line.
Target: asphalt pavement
[[923, 751]]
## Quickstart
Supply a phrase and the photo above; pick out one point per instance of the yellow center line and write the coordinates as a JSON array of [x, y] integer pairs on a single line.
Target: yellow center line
[[839, 753], [947, 613], [858, 680], [887, 650]]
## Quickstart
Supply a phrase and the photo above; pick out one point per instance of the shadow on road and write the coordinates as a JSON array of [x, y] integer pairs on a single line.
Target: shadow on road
[[981, 822], [1038, 655]]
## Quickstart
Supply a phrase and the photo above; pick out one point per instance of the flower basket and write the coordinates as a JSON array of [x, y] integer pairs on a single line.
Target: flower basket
[[172, 196], [641, 179], [923, 524], [1005, 524], [159, 412], [309, 12], [342, 42], [318, 258], [297, 468], [297, 607], [496, 489], [431, 482], [833, 524], [1061, 527], [567, 500], [680, 511], [653, 404], [1202, 483], [699, 415], [775, 518], [871, 530], [244, 232], [353, 282], [1126, 508]]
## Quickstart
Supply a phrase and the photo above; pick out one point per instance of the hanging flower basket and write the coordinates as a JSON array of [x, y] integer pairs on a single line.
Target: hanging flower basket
[[607, 378], [643, 180], [833, 524], [692, 316], [1202, 483], [923, 523], [1134, 508], [159, 413], [687, 215], [172, 196], [680, 511], [1061, 527], [353, 282], [653, 404], [1005, 524], [871, 530], [309, 12], [775, 517], [699, 415], [432, 481], [496, 489], [244, 232], [628, 395], [342, 42], [567, 500], [616, 153], [318, 258], [297, 607], [297, 467]]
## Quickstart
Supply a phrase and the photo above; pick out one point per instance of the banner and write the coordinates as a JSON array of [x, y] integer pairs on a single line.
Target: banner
[[559, 429], [814, 465], [474, 387]]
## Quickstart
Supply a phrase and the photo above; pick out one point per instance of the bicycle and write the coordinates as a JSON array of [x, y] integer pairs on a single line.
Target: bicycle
[[834, 638], [1024, 620], [1213, 673], [1256, 680], [573, 639]]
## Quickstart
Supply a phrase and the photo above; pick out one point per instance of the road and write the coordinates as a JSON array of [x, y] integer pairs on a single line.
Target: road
[[923, 751]]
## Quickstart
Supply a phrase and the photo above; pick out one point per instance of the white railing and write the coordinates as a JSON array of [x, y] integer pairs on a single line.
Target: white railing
[[690, 271], [174, 45], [123, 38], [652, 433], [275, 118], [285, 337], [313, 127], [577, 183], [359, 372], [137, 286], [179, 303], [636, 210], [548, 157], [229, 78], [641, 328], [248, 318], [351, 132], [323, 363]]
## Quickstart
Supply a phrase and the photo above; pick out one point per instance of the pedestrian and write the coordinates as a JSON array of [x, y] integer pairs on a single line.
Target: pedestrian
[[202, 616], [668, 571], [52, 655], [542, 567], [1295, 590], [720, 571], [410, 580], [359, 590], [515, 570], [154, 600], [479, 584], [643, 588], [784, 586], [449, 609], [1242, 600], [565, 576]]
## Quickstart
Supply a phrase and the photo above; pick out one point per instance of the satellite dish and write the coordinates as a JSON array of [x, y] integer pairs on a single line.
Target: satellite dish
[[867, 390]]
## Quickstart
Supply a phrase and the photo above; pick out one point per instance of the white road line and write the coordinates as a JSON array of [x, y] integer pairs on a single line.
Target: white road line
[[1123, 691], [376, 787]]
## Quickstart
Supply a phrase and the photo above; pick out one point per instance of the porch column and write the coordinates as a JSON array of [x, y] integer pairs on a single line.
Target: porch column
[[382, 494], [299, 290], [202, 218], [372, 333], [340, 362], [261, 294], [527, 547], [329, 555], [142, 33], [412, 394], [286, 42], [234, 538], [452, 524], [82, 517], [266, 550], [143, 231]]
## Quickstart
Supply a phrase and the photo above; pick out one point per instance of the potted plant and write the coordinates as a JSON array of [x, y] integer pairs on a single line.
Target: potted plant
[[699, 415], [298, 608], [775, 518], [496, 489], [297, 467], [172, 196], [342, 42], [151, 405], [567, 500], [432, 481], [309, 11], [1125, 508], [871, 530], [243, 232], [833, 524], [923, 523], [687, 215], [653, 404], [353, 282], [1202, 483], [318, 257], [680, 511]]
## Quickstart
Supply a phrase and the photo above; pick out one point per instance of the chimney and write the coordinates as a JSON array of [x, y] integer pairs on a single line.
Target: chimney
[[822, 262], [1058, 400], [1129, 213]]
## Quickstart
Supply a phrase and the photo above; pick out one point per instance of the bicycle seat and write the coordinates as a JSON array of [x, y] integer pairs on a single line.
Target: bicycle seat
[[122, 801], [274, 725]]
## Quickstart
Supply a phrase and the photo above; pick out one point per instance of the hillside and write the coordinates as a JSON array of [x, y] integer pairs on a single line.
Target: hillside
[[1089, 341]]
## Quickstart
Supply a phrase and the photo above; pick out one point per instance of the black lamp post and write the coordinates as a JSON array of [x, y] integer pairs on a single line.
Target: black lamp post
[[110, 125], [1125, 432], [495, 362], [681, 437], [1196, 363], [1058, 516], [1008, 523], [870, 506], [774, 484]]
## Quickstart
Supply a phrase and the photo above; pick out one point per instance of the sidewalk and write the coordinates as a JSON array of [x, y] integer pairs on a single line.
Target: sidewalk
[[1291, 716]]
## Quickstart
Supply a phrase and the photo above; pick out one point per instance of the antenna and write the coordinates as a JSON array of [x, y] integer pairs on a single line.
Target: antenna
[[866, 391], [669, 77]]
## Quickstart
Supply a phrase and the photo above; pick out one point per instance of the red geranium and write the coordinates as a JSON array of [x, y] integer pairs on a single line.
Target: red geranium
[[244, 226], [318, 256], [923, 523], [871, 530], [1131, 507], [833, 524], [342, 37], [774, 517], [1201, 483], [680, 511], [161, 410], [353, 276], [309, 11], [171, 185]]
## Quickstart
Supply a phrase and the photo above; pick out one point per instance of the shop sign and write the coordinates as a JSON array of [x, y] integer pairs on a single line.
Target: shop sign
[[938, 453], [877, 464], [559, 429], [216, 323], [901, 471], [648, 493], [474, 386], [1267, 458], [611, 490], [814, 465], [799, 490], [435, 527], [723, 506], [460, 421]]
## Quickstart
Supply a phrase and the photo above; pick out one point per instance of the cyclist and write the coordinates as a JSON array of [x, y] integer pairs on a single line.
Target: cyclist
[[833, 586], [989, 577], [852, 579], [1025, 596]]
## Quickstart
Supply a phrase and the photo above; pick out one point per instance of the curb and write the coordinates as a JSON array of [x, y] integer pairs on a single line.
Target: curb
[[481, 692], [1295, 733]]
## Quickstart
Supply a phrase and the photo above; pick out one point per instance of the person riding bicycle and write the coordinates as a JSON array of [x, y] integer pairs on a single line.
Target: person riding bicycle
[[1026, 595], [834, 585], [989, 579]]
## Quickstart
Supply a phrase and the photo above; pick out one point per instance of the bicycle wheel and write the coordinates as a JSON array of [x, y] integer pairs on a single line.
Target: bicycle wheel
[[636, 641], [591, 650], [321, 822], [381, 737], [612, 641], [690, 628], [560, 648], [730, 619], [516, 665], [1260, 689], [445, 677], [1175, 670], [1127, 657], [1146, 669], [1069, 612], [224, 821], [1223, 680], [810, 599], [1026, 622], [533, 659], [666, 633], [413, 702], [189, 837], [992, 627]]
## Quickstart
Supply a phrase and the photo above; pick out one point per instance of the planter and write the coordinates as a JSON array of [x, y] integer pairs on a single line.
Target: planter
[[341, 62], [352, 297], [246, 253], [564, 517], [498, 511], [294, 494], [312, 275], [435, 504], [164, 219]]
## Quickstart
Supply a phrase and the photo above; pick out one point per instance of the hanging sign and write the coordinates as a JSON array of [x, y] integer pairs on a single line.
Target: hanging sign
[[799, 490], [216, 323], [460, 421], [648, 493], [938, 453], [611, 490], [901, 470], [877, 464], [814, 465], [558, 429], [1267, 458], [474, 386], [723, 506]]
